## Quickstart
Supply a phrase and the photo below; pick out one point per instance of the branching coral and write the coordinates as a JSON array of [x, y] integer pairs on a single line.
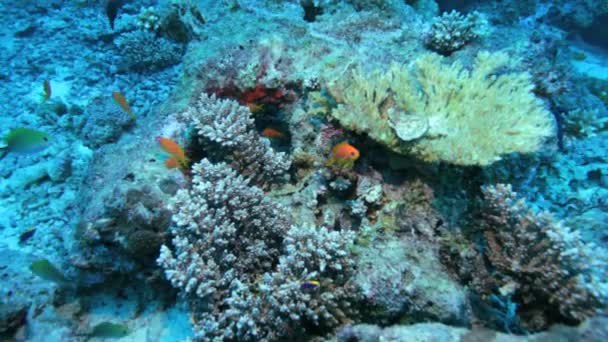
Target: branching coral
[[225, 226], [452, 31], [282, 308], [241, 266], [446, 112], [230, 125], [539, 261]]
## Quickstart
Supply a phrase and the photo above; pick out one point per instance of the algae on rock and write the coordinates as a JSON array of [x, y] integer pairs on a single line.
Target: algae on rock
[[441, 112]]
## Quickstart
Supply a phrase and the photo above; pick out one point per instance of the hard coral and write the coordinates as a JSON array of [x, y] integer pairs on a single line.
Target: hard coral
[[540, 262], [105, 122], [241, 266], [446, 113], [231, 128], [143, 51], [452, 31]]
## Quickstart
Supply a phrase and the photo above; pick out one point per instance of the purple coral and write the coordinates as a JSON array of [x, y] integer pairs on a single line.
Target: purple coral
[[231, 126]]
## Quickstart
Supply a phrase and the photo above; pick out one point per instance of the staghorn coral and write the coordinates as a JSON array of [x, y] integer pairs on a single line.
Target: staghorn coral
[[241, 266], [540, 262], [446, 113], [452, 31], [231, 127]]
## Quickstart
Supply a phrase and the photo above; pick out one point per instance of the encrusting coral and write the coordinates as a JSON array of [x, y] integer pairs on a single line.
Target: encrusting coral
[[241, 265], [539, 261], [230, 126], [142, 50], [441, 112]]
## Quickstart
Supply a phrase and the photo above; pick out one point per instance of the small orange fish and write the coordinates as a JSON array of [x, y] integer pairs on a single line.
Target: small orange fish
[[271, 133], [255, 108], [171, 163], [47, 90], [122, 102], [173, 149], [257, 93], [343, 155]]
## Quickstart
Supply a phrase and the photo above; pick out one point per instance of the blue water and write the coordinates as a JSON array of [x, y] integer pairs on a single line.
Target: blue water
[[312, 170]]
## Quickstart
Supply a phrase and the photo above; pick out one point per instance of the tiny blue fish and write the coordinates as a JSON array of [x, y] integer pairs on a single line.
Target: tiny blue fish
[[310, 285]]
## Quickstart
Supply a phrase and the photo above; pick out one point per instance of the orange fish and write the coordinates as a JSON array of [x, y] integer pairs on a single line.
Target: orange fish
[[122, 102], [175, 150], [171, 163], [255, 108], [47, 90], [271, 133], [343, 155], [255, 94]]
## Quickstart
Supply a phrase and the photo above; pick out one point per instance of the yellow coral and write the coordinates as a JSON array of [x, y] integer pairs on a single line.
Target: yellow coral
[[469, 117]]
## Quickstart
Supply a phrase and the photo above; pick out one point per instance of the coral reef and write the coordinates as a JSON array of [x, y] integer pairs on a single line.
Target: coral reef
[[592, 330], [228, 239], [446, 113], [181, 20], [230, 126], [104, 122], [148, 20], [403, 279], [452, 31], [264, 249], [143, 51], [537, 261]]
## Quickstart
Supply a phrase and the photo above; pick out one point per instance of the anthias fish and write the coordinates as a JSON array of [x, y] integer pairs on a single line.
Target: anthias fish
[[178, 156], [272, 133], [120, 99], [343, 155]]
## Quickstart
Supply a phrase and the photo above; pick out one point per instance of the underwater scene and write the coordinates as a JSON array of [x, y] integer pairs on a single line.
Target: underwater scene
[[304, 170]]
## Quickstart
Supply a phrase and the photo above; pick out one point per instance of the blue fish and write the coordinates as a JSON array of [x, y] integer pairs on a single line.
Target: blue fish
[[310, 285]]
